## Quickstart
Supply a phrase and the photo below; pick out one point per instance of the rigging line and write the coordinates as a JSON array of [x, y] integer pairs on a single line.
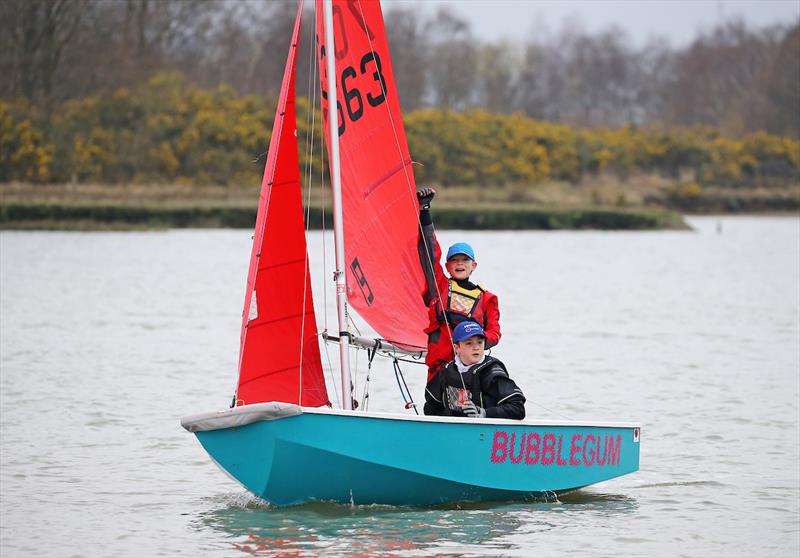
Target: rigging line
[[323, 236], [398, 375], [382, 351], [370, 357], [410, 397], [322, 203], [309, 151], [330, 370], [354, 377], [549, 410], [260, 234], [353, 324], [324, 239], [403, 359], [400, 387], [412, 193]]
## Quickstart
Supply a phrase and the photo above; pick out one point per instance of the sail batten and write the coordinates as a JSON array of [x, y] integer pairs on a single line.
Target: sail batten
[[382, 180], [279, 357], [281, 264], [385, 282], [262, 323]]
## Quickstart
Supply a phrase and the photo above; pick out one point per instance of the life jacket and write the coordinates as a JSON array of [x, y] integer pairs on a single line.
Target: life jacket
[[459, 387], [462, 304]]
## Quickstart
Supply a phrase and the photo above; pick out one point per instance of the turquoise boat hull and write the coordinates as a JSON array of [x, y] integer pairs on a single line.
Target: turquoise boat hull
[[293, 455]]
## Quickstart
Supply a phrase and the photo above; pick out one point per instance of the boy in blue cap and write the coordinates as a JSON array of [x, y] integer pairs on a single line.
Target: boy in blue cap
[[473, 384], [454, 299]]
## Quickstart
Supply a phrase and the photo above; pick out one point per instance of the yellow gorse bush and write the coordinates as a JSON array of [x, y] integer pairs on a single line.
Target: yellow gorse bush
[[24, 155], [167, 130]]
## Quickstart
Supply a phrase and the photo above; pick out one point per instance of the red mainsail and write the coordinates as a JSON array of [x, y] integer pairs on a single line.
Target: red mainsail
[[381, 227], [279, 357]]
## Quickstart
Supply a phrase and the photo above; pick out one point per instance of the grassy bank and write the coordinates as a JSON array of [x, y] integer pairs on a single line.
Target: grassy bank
[[601, 204], [116, 217]]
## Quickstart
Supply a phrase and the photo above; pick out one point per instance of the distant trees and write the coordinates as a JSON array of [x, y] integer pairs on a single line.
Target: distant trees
[[52, 50], [170, 90], [733, 77], [34, 37], [167, 130]]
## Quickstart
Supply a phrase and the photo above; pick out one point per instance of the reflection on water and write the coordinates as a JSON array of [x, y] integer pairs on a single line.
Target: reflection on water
[[259, 529]]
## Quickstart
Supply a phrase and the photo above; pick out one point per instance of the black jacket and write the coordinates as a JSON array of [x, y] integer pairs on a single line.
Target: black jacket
[[488, 384]]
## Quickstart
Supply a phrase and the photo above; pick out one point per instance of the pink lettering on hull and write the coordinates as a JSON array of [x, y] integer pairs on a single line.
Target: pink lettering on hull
[[560, 460], [576, 438], [517, 458], [499, 450], [533, 448], [592, 451], [547, 449]]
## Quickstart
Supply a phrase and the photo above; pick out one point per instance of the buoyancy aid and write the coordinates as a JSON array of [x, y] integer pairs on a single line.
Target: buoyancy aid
[[459, 387], [463, 303]]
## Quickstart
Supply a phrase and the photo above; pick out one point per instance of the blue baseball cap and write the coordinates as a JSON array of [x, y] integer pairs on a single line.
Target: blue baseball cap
[[461, 248], [465, 330]]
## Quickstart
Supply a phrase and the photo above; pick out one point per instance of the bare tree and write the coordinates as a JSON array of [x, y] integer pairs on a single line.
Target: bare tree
[[452, 60], [35, 33], [733, 77], [498, 76], [780, 89], [410, 45], [542, 84], [716, 75]]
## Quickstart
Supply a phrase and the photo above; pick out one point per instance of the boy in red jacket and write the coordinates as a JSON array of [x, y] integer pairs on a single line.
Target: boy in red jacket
[[454, 299]]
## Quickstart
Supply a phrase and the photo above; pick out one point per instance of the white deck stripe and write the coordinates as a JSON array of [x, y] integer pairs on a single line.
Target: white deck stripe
[[277, 410]]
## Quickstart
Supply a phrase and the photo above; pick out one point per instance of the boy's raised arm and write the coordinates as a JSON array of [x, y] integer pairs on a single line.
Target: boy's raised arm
[[428, 247]]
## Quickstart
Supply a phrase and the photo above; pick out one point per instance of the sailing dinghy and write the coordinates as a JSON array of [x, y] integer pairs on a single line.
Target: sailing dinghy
[[282, 440]]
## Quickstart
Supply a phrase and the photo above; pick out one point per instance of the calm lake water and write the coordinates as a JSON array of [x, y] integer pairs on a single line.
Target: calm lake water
[[106, 339]]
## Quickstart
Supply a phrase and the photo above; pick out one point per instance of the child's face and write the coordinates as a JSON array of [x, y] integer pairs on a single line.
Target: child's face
[[470, 350], [460, 267]]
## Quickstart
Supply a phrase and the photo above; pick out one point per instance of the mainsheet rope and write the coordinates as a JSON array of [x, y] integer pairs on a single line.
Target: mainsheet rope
[[398, 375]]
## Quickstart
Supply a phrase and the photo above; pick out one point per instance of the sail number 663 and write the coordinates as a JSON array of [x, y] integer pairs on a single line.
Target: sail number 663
[[352, 95]]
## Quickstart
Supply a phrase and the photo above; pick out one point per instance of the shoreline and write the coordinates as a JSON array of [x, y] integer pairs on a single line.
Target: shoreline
[[156, 207], [49, 216]]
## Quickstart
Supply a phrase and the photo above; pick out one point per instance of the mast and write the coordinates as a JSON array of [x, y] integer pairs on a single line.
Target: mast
[[338, 230]]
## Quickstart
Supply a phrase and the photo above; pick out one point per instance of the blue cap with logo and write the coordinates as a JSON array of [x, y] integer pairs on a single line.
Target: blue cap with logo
[[465, 330], [461, 248]]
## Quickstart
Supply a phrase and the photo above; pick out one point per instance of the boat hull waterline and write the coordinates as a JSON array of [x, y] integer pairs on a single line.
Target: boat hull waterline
[[288, 455]]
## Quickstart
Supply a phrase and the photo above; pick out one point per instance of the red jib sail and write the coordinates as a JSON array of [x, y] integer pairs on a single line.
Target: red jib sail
[[279, 357], [384, 277]]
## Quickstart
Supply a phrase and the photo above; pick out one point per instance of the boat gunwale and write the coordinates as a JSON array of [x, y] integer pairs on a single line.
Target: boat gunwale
[[468, 420], [295, 410]]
